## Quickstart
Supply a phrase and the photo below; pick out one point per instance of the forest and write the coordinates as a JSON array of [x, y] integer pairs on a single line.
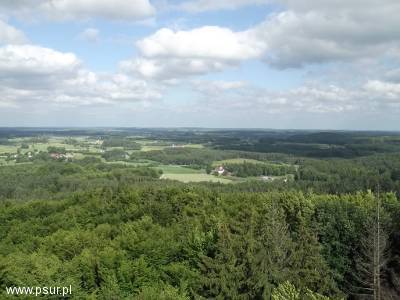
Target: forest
[[141, 213]]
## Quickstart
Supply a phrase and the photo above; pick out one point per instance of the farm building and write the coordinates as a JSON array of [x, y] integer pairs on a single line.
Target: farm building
[[220, 170]]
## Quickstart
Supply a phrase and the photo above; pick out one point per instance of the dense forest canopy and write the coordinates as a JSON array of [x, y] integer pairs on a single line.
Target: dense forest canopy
[[294, 215]]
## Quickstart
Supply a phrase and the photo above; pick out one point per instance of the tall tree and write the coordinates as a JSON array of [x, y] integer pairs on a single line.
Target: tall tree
[[372, 258]]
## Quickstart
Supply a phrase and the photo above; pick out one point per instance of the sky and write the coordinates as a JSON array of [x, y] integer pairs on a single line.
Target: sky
[[283, 64]]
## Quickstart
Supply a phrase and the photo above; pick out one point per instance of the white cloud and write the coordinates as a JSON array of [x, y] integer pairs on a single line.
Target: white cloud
[[305, 33], [338, 5], [392, 75], [324, 31], [30, 61], [82, 9], [211, 5], [171, 68], [31, 73], [215, 88], [174, 54], [11, 35], [88, 88], [204, 42], [385, 90], [91, 35], [302, 33], [116, 9], [239, 97]]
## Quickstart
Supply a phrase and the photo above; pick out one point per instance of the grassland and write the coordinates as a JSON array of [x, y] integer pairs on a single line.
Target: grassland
[[185, 174], [246, 160], [174, 169], [8, 149], [52, 142], [236, 161], [198, 177], [151, 146]]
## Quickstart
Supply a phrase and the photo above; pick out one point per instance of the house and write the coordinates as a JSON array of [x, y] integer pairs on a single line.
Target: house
[[177, 146], [57, 155], [267, 178], [220, 170]]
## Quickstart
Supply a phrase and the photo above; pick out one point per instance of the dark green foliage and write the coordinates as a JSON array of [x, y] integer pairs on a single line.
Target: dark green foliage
[[56, 179], [116, 141], [115, 155], [257, 169], [181, 243], [60, 150]]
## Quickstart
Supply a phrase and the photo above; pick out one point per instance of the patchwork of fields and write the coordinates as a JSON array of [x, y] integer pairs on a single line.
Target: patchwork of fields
[[81, 147]]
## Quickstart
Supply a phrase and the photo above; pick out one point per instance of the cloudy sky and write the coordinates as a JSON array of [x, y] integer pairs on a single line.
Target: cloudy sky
[[327, 64]]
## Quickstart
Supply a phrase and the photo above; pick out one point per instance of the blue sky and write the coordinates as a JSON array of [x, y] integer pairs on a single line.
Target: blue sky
[[201, 63]]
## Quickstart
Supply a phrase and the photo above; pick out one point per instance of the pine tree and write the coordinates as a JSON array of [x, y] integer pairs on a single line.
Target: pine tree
[[270, 258], [372, 258]]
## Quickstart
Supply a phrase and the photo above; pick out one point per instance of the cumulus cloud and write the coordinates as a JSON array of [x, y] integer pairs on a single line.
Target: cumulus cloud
[[300, 35], [245, 97], [338, 5], [204, 42], [172, 68], [385, 90], [173, 54], [35, 67], [309, 32], [11, 35], [88, 88], [197, 6], [240, 97], [215, 88], [82, 9], [295, 38], [31, 73], [91, 35]]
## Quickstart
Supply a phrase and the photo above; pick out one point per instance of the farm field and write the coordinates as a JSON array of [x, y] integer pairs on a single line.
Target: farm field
[[244, 160], [7, 149], [196, 177], [236, 161], [184, 174], [174, 169], [150, 147]]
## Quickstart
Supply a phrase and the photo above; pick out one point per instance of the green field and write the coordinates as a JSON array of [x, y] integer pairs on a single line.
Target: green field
[[184, 174], [236, 161], [199, 177], [127, 163], [174, 169], [58, 142], [3, 161], [245, 160], [8, 149], [150, 147]]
